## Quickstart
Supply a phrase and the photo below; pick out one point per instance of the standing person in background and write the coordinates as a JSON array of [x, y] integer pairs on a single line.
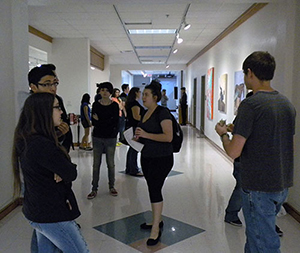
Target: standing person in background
[[263, 135], [164, 98], [43, 79], [125, 91], [105, 119], [66, 139], [123, 97], [116, 98], [134, 112], [183, 106], [155, 132], [85, 115], [97, 96], [49, 202]]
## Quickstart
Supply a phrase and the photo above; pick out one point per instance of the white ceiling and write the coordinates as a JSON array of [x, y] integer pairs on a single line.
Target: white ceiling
[[101, 22]]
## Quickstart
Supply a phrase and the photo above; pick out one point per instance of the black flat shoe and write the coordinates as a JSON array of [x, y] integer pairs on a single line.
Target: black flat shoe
[[146, 226], [152, 242]]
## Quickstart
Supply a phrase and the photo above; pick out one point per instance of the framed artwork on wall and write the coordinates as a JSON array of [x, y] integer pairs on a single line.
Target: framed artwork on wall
[[222, 99], [210, 94], [240, 90]]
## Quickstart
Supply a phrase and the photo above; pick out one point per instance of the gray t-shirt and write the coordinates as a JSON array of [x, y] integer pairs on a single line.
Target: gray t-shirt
[[267, 121]]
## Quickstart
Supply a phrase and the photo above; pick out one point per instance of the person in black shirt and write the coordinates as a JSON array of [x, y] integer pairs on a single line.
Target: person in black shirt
[[49, 202], [183, 106], [105, 119]]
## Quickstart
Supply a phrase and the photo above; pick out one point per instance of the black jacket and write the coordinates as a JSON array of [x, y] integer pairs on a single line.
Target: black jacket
[[46, 201]]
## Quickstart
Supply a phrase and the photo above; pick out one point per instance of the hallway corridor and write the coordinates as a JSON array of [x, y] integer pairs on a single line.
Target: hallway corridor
[[195, 197]]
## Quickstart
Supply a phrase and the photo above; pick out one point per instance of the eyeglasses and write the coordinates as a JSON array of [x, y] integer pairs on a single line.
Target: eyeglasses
[[57, 107], [48, 84]]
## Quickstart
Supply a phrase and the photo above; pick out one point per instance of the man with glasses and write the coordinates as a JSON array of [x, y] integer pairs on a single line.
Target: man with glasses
[[44, 79]]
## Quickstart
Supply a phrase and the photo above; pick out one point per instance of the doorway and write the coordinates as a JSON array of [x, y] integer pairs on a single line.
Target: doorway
[[195, 103]]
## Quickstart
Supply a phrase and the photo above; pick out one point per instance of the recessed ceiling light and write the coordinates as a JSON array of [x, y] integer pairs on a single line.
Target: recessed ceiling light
[[151, 31], [175, 51]]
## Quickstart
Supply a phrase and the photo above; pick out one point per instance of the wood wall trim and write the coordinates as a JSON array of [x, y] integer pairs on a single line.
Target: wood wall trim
[[95, 51], [292, 211], [240, 20], [40, 34], [9, 208]]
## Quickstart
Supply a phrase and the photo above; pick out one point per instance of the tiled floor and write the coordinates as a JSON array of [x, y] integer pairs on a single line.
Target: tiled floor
[[195, 196]]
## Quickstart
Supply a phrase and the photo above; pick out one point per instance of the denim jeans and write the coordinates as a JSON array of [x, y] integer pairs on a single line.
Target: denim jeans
[[235, 201], [57, 237], [260, 210], [122, 121], [99, 144], [131, 162]]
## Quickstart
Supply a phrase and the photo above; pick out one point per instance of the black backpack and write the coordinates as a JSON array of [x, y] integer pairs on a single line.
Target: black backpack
[[177, 133]]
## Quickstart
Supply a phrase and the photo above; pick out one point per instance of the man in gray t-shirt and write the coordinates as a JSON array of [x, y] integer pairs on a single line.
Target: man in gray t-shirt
[[263, 136]]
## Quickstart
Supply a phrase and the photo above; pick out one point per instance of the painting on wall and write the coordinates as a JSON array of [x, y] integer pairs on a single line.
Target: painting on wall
[[210, 94], [240, 90], [222, 99]]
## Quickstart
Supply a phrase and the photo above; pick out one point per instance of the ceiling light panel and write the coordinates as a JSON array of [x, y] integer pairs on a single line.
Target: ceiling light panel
[[151, 31]]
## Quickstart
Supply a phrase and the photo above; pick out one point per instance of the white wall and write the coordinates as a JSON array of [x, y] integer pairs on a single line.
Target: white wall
[[13, 72], [272, 30], [72, 60], [294, 194]]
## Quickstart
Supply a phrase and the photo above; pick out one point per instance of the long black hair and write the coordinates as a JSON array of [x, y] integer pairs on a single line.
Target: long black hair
[[131, 96], [85, 98], [36, 118]]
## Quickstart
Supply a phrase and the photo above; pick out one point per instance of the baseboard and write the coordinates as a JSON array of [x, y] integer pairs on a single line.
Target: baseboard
[[292, 211], [10, 207]]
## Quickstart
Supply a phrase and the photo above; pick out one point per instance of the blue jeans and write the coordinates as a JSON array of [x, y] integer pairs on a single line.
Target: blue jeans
[[260, 210], [57, 237], [131, 162], [122, 121], [235, 201], [99, 144]]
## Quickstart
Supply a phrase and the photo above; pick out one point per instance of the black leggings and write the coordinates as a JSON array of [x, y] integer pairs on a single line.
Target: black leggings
[[155, 170]]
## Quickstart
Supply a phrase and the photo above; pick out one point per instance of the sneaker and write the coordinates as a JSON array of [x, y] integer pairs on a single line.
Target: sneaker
[[92, 195], [278, 231], [88, 148], [113, 191], [236, 223]]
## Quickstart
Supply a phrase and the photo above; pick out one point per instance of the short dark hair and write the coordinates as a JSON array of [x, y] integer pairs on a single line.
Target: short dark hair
[[262, 64], [107, 85], [155, 88], [183, 88], [37, 73], [50, 66], [124, 86]]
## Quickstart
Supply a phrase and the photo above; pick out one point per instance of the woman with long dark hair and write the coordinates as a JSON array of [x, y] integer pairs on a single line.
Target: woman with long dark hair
[[134, 112], [85, 115], [49, 202], [155, 132]]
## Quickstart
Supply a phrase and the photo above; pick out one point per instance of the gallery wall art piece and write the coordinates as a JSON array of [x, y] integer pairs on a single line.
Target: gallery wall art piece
[[240, 90], [222, 98], [210, 94]]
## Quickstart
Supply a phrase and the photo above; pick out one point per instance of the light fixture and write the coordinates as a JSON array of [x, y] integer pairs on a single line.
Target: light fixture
[[179, 40], [151, 31], [93, 68], [167, 66], [144, 74], [175, 51], [186, 26]]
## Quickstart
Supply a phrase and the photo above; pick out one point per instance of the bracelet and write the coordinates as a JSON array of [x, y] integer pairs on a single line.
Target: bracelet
[[221, 136]]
